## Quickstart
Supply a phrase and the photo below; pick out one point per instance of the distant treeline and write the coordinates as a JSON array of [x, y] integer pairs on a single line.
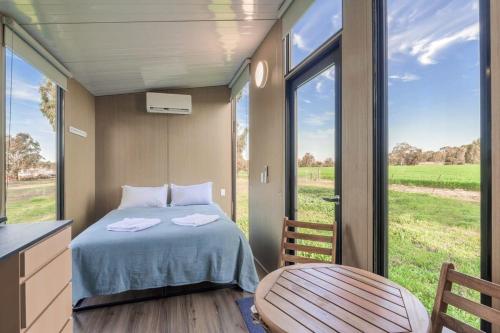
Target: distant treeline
[[308, 160], [406, 154]]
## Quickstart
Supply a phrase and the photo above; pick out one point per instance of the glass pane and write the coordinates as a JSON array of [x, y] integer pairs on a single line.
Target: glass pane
[[315, 131], [30, 143], [242, 146], [321, 21], [434, 118]]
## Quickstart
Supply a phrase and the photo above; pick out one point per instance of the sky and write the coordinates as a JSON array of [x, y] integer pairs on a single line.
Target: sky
[[433, 50], [433, 74], [242, 109], [23, 105]]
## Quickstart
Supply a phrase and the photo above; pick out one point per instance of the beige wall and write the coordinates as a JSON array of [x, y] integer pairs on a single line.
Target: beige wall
[[267, 118], [79, 157], [495, 143], [138, 148], [357, 109], [199, 146]]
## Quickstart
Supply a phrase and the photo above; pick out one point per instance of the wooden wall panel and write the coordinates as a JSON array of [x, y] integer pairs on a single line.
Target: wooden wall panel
[[357, 109], [267, 142], [199, 145], [495, 143], [133, 146], [79, 157]]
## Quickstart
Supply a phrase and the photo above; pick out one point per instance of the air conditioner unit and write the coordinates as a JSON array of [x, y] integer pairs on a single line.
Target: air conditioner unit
[[168, 103]]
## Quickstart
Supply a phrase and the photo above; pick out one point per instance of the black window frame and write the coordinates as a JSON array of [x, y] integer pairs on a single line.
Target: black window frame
[[60, 154], [60, 212], [380, 143], [327, 54]]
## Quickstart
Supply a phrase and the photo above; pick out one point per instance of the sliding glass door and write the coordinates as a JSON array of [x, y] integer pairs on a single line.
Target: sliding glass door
[[430, 209], [314, 144]]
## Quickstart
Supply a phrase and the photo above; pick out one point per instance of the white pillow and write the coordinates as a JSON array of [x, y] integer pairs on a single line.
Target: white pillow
[[200, 194], [143, 196]]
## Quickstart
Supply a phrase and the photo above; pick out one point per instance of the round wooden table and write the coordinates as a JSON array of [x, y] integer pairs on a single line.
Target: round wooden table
[[336, 298]]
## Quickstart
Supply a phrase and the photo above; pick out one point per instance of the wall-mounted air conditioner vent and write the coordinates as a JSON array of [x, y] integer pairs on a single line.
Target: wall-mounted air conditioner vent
[[168, 103]]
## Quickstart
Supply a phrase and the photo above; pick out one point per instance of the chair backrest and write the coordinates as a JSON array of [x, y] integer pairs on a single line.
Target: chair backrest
[[445, 297], [316, 233]]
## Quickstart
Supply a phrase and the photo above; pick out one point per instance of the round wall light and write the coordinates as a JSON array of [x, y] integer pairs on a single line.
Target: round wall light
[[260, 75]]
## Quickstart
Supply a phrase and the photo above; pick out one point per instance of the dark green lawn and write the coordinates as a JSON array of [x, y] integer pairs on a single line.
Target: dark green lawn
[[424, 232], [466, 177]]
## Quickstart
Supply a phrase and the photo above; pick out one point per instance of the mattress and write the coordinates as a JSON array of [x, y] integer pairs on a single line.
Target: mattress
[[106, 262]]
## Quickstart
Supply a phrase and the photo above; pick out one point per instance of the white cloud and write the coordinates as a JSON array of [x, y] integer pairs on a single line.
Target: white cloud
[[427, 50], [424, 29], [23, 91], [329, 74], [298, 41], [336, 21], [320, 120], [320, 143], [406, 77], [319, 86]]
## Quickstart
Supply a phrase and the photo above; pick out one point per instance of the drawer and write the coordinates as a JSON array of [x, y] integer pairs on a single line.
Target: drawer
[[38, 291], [68, 328], [57, 317], [41, 253]]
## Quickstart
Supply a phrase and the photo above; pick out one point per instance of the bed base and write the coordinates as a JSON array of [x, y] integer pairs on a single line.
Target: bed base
[[136, 296]]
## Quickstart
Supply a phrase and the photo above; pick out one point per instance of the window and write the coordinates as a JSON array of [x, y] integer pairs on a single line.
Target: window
[[320, 21], [313, 126], [30, 143], [434, 145], [31, 129], [242, 157]]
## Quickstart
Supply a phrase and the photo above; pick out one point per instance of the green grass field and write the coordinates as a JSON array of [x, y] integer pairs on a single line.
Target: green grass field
[[242, 202], [31, 201], [424, 230], [466, 177]]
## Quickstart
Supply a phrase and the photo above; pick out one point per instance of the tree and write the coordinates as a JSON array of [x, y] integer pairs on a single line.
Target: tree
[[329, 162], [473, 152], [307, 161], [48, 101], [241, 145], [23, 153], [405, 154]]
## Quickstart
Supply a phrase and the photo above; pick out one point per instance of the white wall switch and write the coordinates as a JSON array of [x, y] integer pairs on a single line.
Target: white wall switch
[[222, 192]]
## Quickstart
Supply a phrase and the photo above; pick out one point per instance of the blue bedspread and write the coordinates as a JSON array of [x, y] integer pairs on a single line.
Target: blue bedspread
[[106, 262]]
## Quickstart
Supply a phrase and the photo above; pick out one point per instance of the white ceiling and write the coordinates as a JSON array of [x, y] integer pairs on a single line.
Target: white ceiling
[[120, 46]]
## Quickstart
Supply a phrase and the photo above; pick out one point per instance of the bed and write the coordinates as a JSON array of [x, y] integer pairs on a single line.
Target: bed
[[167, 254]]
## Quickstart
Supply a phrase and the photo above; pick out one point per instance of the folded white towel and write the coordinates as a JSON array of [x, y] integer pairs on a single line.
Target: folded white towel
[[195, 220], [132, 224]]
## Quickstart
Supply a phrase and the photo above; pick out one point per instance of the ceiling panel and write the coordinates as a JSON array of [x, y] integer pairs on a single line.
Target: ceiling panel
[[118, 46]]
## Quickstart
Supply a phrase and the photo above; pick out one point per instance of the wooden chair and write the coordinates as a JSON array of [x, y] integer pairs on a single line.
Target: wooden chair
[[290, 235], [445, 297]]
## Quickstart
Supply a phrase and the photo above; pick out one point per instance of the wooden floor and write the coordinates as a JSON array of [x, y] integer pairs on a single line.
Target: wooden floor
[[209, 311]]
